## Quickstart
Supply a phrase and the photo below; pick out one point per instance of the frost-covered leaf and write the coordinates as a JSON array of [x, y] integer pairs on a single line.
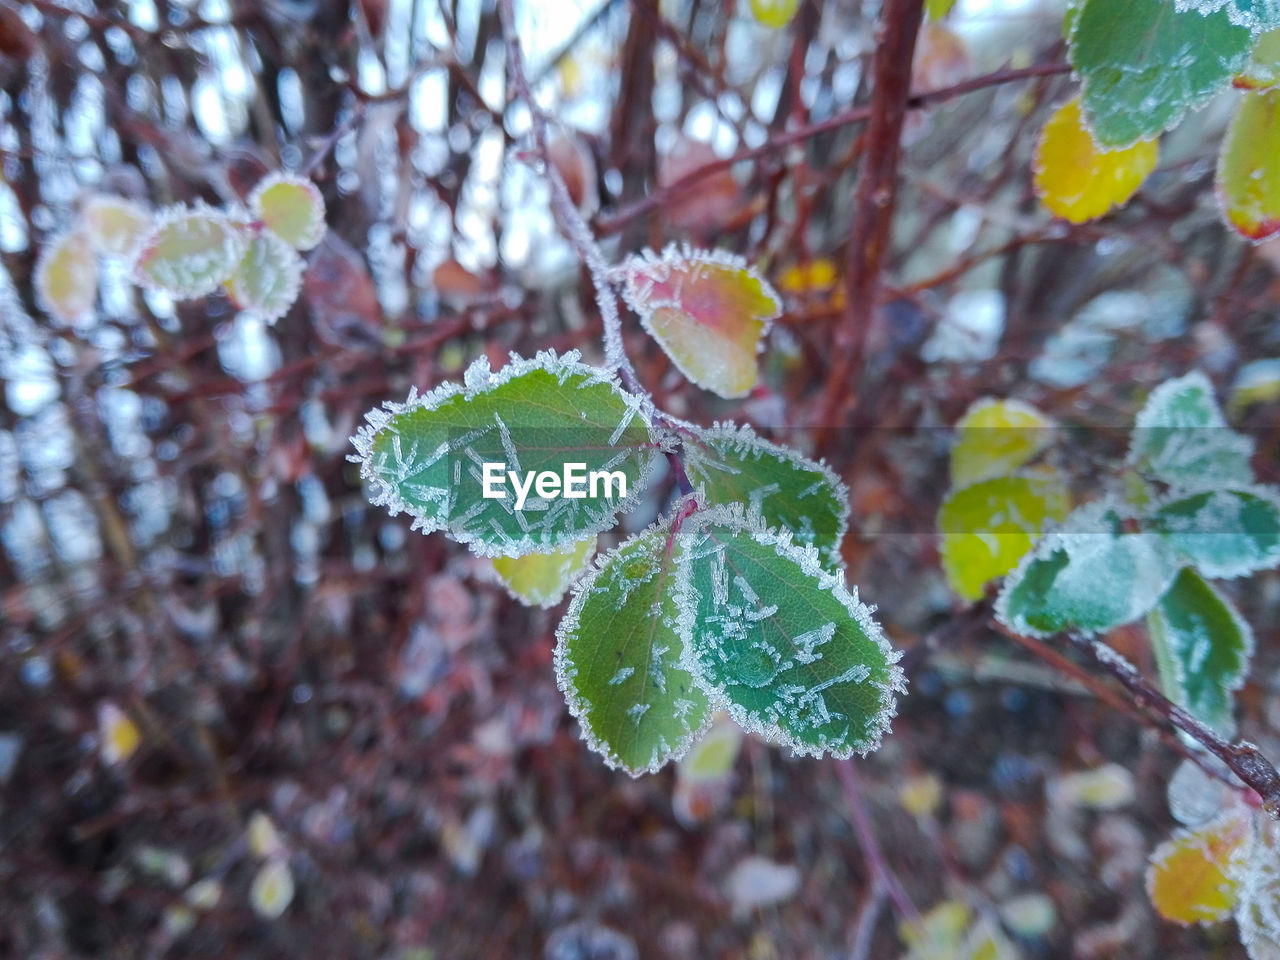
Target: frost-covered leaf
[[540, 579], [115, 226], [1202, 646], [189, 253], [707, 309], [996, 437], [118, 734], [1143, 64], [989, 526], [291, 207], [1263, 69], [1181, 438], [730, 464], [1248, 177], [66, 278], [1078, 180], [268, 278], [1256, 868], [619, 659], [766, 628], [774, 13], [1256, 15], [1091, 575], [1189, 879], [426, 457], [1223, 533], [272, 889]]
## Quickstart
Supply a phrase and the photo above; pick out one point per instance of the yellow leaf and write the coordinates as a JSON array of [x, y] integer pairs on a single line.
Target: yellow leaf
[[119, 734], [774, 13], [921, 796], [937, 9], [996, 437], [66, 278], [1078, 180], [272, 889], [1248, 178], [1189, 880], [989, 526], [540, 579]]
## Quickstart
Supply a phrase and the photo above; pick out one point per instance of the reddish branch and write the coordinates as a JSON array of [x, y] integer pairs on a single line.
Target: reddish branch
[[1243, 759], [873, 201]]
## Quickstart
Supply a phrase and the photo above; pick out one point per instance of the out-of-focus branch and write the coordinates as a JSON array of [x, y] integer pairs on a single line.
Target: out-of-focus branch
[[873, 202]]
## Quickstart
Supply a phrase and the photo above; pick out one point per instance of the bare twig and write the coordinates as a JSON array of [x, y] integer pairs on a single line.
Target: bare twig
[[566, 213], [881, 873]]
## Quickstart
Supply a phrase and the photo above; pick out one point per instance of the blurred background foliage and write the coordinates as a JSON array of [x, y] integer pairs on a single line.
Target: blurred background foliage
[[203, 621]]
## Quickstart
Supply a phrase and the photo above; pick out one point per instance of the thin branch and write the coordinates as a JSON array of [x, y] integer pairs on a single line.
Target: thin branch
[[1243, 759], [566, 213], [882, 874], [678, 188], [874, 200]]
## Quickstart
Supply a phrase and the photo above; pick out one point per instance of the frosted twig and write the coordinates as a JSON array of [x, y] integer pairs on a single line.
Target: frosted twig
[[571, 221]]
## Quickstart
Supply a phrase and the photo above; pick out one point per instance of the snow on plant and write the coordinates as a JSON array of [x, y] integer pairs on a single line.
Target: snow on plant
[[734, 601], [1143, 65], [187, 252], [1185, 509]]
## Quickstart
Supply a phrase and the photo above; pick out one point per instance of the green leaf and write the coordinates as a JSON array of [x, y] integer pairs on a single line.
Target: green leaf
[[1254, 15], [1143, 64], [1181, 438], [792, 654], [66, 279], [189, 252], [707, 309], [291, 207], [425, 457], [540, 579], [1223, 533], [1092, 575], [730, 464], [619, 659], [996, 437], [268, 278], [988, 527], [1248, 177], [1202, 646]]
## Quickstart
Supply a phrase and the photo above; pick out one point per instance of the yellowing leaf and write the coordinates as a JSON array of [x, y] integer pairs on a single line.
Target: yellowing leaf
[[921, 796], [291, 207], [989, 526], [937, 934], [707, 309], [540, 579], [1189, 879], [937, 9], [814, 276], [264, 841], [774, 13], [66, 278], [712, 757], [115, 226], [1248, 178], [118, 734], [272, 889], [996, 437], [1263, 70], [1078, 180]]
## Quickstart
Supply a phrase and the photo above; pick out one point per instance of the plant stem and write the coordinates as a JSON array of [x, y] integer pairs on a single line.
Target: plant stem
[[882, 874], [567, 215]]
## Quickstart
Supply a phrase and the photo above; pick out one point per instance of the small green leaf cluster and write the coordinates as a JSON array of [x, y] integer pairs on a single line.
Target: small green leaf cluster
[[1144, 64], [735, 600], [1187, 510], [187, 252]]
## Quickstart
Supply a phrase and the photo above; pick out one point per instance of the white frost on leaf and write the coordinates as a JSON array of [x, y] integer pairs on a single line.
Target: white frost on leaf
[[1224, 533], [291, 207], [189, 252], [1256, 15], [269, 277]]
